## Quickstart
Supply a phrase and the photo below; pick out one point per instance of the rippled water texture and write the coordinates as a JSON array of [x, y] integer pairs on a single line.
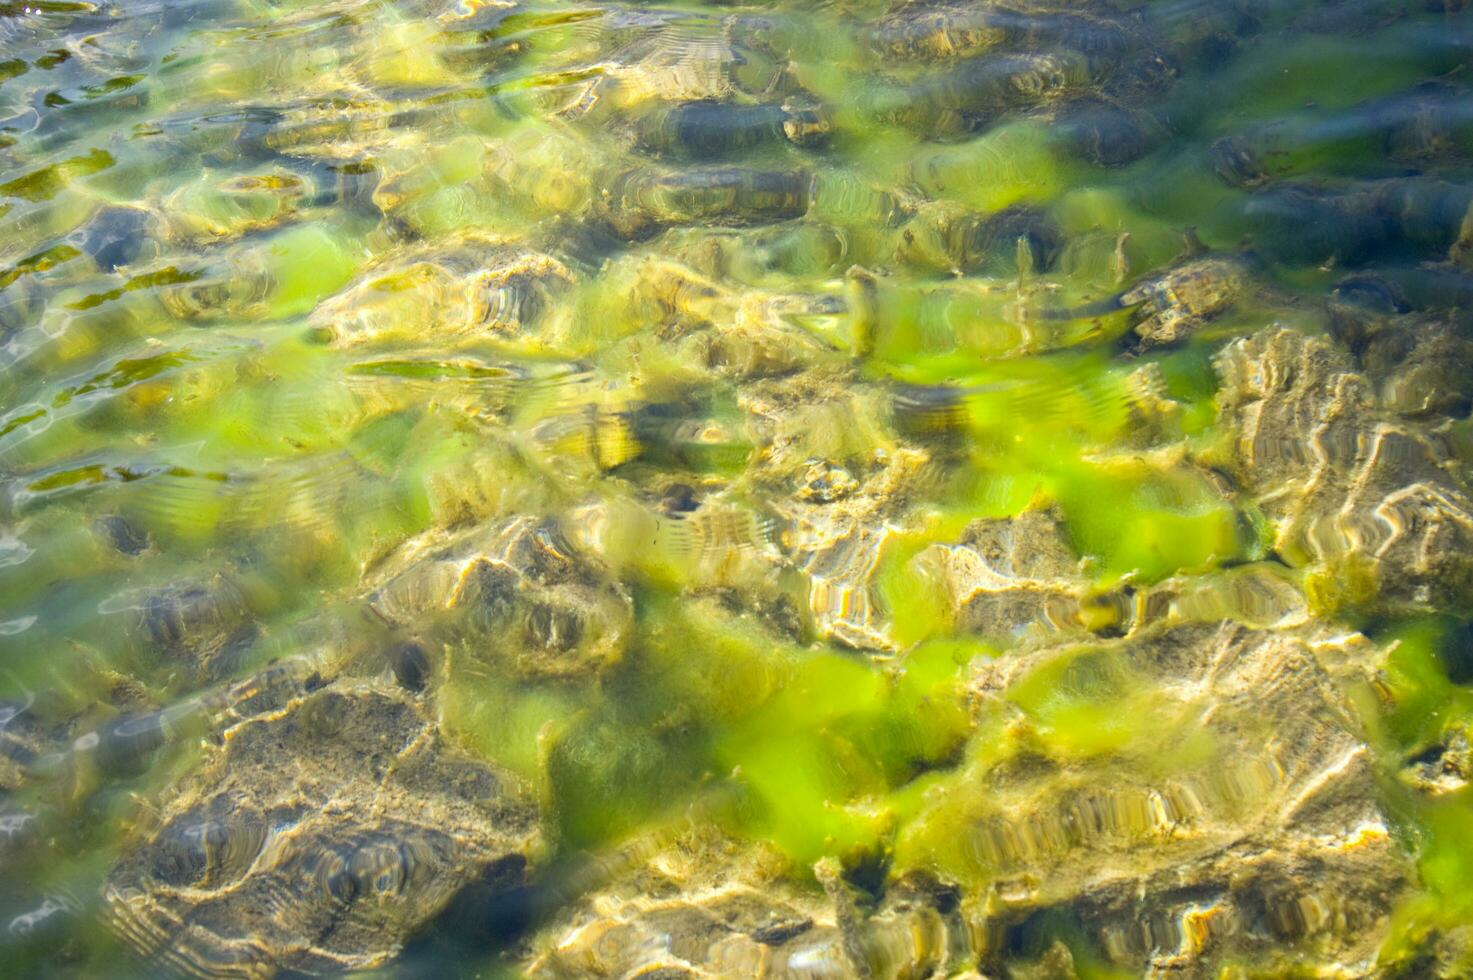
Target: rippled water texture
[[865, 488]]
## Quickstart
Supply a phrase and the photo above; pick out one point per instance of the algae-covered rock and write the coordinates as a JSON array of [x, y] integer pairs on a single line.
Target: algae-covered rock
[[1018, 581], [1015, 240], [706, 906], [200, 628], [664, 56], [1254, 823], [843, 485], [315, 839], [1178, 301], [1105, 133], [515, 592], [1421, 367], [1009, 577], [641, 202], [978, 92], [986, 61], [706, 328], [710, 129], [1444, 767], [258, 278], [1304, 224], [121, 236], [23, 738], [1372, 500], [218, 206], [937, 31], [445, 293]]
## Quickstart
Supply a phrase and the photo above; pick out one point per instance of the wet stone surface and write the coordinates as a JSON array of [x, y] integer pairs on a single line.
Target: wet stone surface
[[316, 839], [1276, 843]]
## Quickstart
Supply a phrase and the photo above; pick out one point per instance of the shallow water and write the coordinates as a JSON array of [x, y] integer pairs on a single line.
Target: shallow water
[[802, 489]]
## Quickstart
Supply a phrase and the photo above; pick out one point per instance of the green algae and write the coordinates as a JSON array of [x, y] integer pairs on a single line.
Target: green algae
[[46, 183]]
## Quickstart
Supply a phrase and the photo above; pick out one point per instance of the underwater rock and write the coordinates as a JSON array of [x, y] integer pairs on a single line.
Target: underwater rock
[[514, 592], [835, 488], [130, 743], [994, 60], [771, 256], [1429, 287], [1155, 415], [410, 665], [1104, 133], [1174, 303], [121, 236], [544, 171], [1304, 226], [217, 206], [711, 130], [214, 209], [1012, 577], [1019, 582], [203, 627], [979, 91], [933, 32], [838, 544], [1368, 498], [711, 541], [841, 484], [640, 203], [1016, 240], [665, 57], [1421, 366], [122, 534], [707, 906], [315, 839], [449, 292], [1326, 890], [1431, 123], [716, 330], [1272, 839], [325, 129], [1443, 767], [1308, 225], [239, 287], [1442, 954], [1261, 595], [23, 739], [1360, 302]]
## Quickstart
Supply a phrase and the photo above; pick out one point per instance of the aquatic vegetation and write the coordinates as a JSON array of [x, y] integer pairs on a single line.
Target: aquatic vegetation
[[885, 488]]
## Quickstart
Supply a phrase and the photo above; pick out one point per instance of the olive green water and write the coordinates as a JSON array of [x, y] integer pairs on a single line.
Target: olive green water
[[790, 489]]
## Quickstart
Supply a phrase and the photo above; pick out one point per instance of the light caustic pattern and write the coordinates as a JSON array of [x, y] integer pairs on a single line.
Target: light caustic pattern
[[877, 488]]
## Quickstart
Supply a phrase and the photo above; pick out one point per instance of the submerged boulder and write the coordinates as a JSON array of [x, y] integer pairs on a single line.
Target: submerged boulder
[[1372, 501], [469, 289], [843, 487], [1011, 577], [516, 592], [644, 201], [706, 906], [1224, 813], [1258, 828], [316, 839], [201, 627], [710, 129], [1175, 303]]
